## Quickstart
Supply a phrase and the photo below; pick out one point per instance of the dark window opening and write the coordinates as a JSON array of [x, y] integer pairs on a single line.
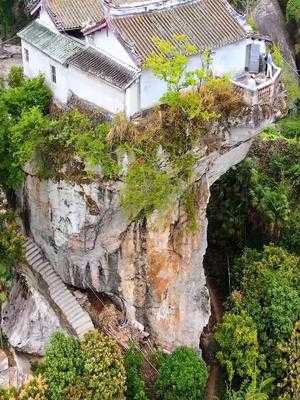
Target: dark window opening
[[26, 55], [53, 74]]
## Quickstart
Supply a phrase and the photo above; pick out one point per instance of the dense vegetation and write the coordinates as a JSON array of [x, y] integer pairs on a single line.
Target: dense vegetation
[[12, 17], [254, 215], [96, 368]]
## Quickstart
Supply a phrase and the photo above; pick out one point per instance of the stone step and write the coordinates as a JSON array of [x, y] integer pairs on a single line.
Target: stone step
[[36, 264], [43, 270], [42, 266], [33, 253], [34, 258], [29, 246], [77, 317]]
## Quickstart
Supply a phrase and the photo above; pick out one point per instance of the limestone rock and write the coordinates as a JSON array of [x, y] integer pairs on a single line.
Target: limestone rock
[[28, 320], [154, 266], [270, 21]]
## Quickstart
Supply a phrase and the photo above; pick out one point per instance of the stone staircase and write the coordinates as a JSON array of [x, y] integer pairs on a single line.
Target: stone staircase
[[77, 318]]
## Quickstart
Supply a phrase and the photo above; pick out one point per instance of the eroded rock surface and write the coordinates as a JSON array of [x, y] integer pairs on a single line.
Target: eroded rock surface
[[154, 266], [28, 320]]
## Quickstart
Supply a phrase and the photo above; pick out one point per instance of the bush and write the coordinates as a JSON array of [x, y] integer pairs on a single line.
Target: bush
[[104, 371], [15, 77], [11, 250], [146, 189], [32, 93], [135, 384], [35, 389], [239, 350], [182, 376], [63, 364], [290, 359]]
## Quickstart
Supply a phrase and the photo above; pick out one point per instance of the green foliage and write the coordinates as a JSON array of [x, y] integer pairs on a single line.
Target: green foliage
[[11, 250], [270, 295], [239, 349], [34, 389], [293, 10], [251, 391], [288, 75], [182, 376], [290, 359], [257, 202], [289, 127], [64, 362], [147, 188], [135, 384], [15, 77], [169, 62], [32, 93], [8, 394], [104, 371]]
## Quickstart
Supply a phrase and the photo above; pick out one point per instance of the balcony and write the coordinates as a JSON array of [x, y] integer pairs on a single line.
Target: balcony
[[257, 89]]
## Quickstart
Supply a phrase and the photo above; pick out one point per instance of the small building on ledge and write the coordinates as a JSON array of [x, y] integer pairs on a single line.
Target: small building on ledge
[[95, 50]]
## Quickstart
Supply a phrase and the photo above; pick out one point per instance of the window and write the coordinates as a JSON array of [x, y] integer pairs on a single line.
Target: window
[[26, 55], [53, 74]]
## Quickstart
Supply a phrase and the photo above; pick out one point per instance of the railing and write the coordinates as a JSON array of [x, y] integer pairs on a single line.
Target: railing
[[265, 93]]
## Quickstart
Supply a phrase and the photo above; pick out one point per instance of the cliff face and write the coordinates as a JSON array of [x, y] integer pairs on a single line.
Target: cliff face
[[154, 266], [270, 21]]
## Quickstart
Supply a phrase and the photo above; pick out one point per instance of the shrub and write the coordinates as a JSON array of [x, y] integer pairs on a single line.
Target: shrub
[[8, 394], [15, 77], [182, 376], [63, 364], [32, 93], [291, 364], [146, 189], [135, 384], [104, 370], [293, 10], [35, 389], [239, 350], [11, 250]]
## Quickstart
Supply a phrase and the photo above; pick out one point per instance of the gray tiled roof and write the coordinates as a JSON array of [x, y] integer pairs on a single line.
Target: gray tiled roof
[[58, 47], [208, 24], [101, 66], [74, 14]]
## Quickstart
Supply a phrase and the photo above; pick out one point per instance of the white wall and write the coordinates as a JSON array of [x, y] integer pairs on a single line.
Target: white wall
[[132, 99], [45, 20], [230, 59], [96, 91], [107, 41], [40, 63]]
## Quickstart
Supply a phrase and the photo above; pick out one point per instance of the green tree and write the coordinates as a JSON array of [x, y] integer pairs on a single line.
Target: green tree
[[63, 364], [104, 371], [239, 350], [290, 359], [182, 376], [134, 383]]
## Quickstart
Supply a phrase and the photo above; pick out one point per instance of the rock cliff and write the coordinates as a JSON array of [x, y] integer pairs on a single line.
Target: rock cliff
[[154, 266]]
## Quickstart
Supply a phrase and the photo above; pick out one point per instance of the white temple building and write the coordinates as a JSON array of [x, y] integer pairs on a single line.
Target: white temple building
[[96, 50]]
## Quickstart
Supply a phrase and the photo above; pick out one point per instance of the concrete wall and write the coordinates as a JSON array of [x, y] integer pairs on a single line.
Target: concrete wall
[[40, 63], [96, 91]]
